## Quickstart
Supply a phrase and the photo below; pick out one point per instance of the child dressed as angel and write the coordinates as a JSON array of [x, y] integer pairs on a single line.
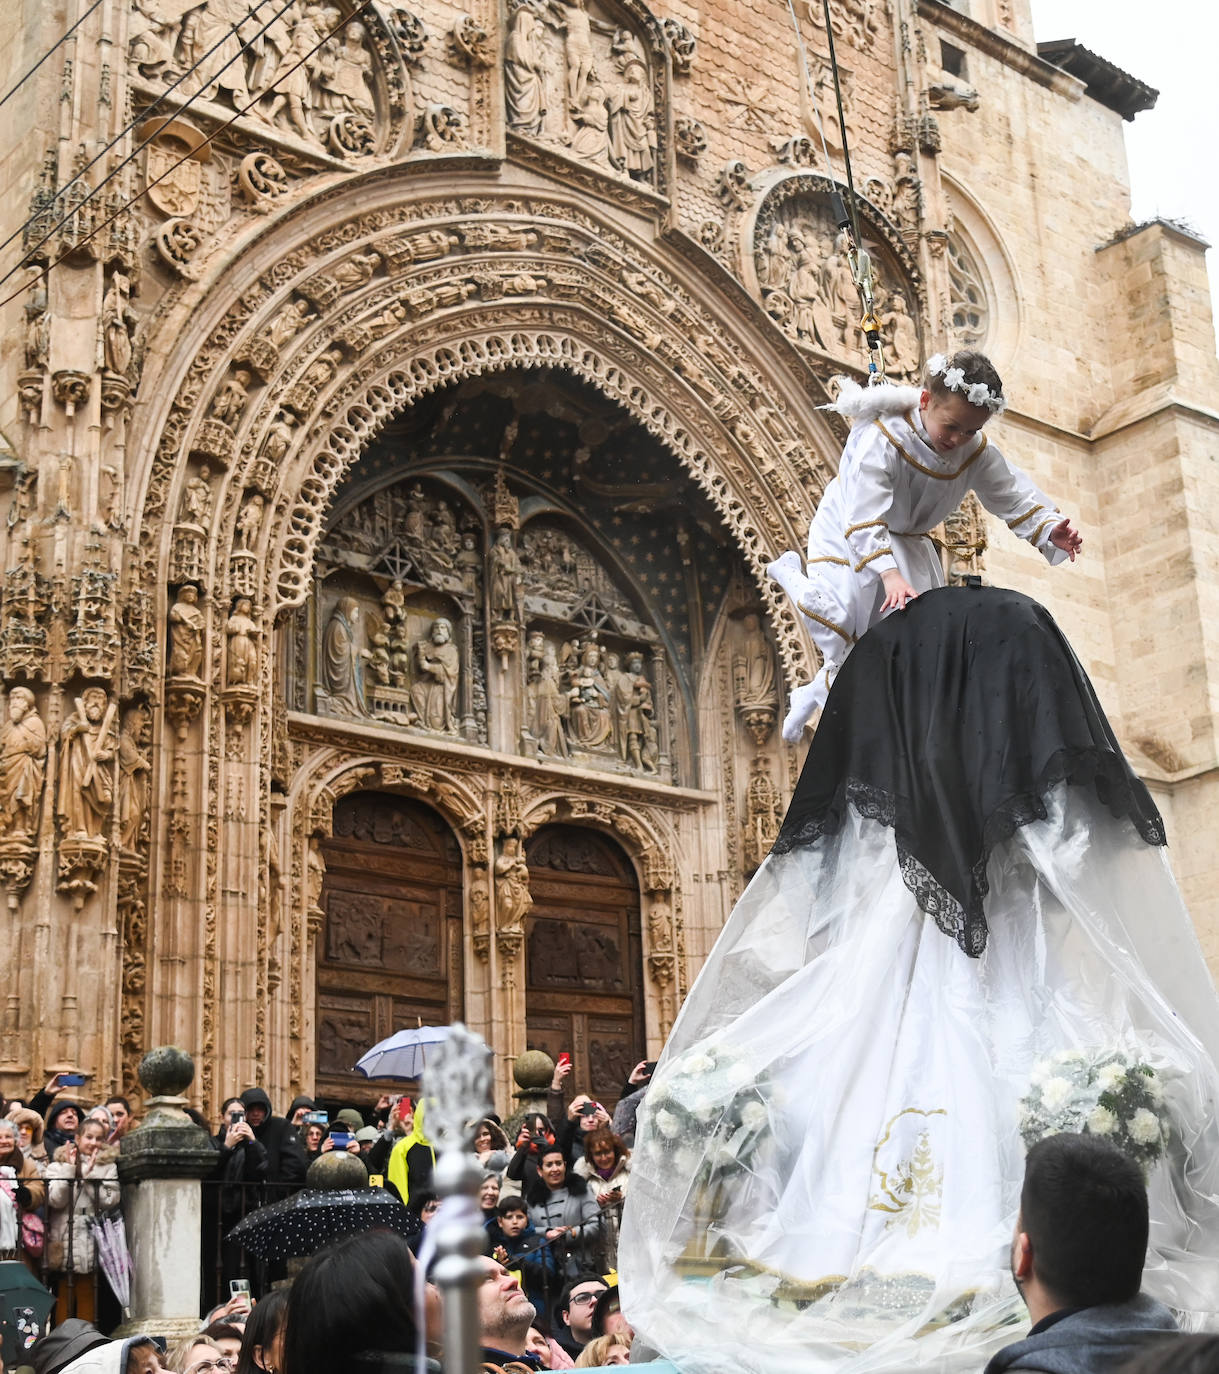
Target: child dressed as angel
[[910, 460]]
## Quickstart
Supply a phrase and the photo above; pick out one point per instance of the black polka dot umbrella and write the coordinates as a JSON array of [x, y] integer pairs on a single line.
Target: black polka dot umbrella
[[304, 1222]]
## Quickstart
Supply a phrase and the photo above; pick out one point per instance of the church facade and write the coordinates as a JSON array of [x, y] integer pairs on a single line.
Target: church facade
[[401, 407]]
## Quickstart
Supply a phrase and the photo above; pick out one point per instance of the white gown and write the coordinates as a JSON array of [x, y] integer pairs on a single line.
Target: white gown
[[891, 491], [857, 1211]]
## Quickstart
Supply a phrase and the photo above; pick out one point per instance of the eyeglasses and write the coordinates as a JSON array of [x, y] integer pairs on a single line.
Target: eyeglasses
[[583, 1299], [220, 1365]]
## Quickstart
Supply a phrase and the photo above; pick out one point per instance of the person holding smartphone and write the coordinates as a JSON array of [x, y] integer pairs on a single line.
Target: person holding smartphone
[[606, 1167]]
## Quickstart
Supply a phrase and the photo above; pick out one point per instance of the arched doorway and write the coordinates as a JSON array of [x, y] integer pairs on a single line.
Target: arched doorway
[[390, 951], [583, 967]]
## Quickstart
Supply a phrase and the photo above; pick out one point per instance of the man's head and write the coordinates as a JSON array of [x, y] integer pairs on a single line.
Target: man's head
[[20, 703], [578, 1302], [513, 1216], [1081, 1236], [257, 1107], [505, 1314]]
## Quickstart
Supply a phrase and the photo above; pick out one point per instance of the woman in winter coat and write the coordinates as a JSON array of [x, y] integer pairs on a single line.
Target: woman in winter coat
[[563, 1209], [29, 1135], [606, 1167], [25, 1189], [82, 1182]]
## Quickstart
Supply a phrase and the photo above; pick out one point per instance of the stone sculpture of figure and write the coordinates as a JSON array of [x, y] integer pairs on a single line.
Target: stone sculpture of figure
[[591, 722], [444, 529], [469, 563], [288, 323], [354, 272], [525, 71], [415, 524], [632, 132], [135, 766], [591, 137], [186, 634], [550, 707], [242, 631], [754, 666], [805, 289], [86, 753], [37, 328], [343, 657], [776, 259], [901, 335], [279, 439], [196, 506], [249, 522], [229, 401], [300, 64], [344, 76], [217, 33], [504, 577], [620, 690], [576, 22], [905, 189], [512, 896], [843, 297], [437, 669], [23, 765], [642, 746], [118, 319]]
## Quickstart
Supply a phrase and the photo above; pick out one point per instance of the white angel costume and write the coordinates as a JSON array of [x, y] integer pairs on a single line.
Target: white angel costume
[[891, 491], [969, 897]]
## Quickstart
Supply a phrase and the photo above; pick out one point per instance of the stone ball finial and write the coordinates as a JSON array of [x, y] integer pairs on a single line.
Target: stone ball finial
[[336, 1169], [533, 1071], [166, 1071]]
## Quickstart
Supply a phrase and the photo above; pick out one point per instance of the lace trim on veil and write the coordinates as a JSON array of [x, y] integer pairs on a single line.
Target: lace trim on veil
[[964, 920]]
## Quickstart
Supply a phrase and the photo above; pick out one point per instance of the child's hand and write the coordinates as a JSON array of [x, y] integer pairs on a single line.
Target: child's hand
[[897, 590], [1066, 537]]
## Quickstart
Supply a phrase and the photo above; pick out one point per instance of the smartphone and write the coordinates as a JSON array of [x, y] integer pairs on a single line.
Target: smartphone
[[71, 1080], [563, 1060], [590, 1108], [317, 1119], [650, 1067], [236, 1118], [240, 1288], [340, 1139]]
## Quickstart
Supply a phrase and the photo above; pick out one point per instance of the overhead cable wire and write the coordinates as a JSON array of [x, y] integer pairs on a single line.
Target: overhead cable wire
[[141, 119], [186, 157], [95, 5]]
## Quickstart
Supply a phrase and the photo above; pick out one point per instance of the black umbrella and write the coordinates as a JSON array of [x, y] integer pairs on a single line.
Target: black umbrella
[[304, 1222], [24, 1307]]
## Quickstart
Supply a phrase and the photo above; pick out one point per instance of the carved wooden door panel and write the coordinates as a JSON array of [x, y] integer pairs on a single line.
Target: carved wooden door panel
[[584, 982], [390, 950]]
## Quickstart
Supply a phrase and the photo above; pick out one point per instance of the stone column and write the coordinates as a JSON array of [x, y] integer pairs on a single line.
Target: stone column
[[160, 1167]]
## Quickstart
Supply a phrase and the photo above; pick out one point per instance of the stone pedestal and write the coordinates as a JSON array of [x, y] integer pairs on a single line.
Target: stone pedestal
[[160, 1167]]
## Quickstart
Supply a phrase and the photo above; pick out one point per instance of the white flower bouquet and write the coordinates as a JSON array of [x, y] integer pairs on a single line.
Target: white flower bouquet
[[1100, 1092]]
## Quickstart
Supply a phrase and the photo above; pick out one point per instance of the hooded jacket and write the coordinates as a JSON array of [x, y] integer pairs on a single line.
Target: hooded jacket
[[53, 1138], [67, 1342], [286, 1161], [1094, 1340], [411, 1160], [110, 1358]]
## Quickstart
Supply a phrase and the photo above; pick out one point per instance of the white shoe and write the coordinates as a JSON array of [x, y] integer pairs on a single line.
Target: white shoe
[[788, 571], [804, 701]]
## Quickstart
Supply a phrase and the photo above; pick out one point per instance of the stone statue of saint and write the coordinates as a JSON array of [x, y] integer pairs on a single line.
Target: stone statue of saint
[[642, 747], [504, 578], [229, 401], [186, 634], [343, 657], [525, 71], [901, 336], [344, 75], [197, 500], [23, 765], [134, 768], [242, 631], [86, 753], [118, 319], [588, 693], [437, 668], [753, 666], [512, 896], [249, 522], [550, 707]]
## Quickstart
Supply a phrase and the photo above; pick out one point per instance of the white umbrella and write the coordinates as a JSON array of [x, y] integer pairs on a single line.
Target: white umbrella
[[403, 1054], [114, 1259]]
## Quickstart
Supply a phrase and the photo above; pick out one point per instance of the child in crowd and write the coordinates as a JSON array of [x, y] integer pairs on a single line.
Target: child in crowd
[[517, 1246], [910, 460]]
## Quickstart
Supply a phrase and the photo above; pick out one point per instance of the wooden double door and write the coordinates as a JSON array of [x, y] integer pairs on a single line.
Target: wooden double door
[[390, 952], [583, 961]]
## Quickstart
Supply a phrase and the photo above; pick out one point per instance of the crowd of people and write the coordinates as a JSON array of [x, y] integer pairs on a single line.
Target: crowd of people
[[551, 1199]]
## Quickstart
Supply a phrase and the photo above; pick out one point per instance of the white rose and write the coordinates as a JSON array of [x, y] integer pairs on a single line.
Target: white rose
[[1101, 1121], [667, 1124], [1055, 1094], [954, 378], [753, 1115], [1154, 1088], [936, 364], [1068, 1057], [1143, 1127], [1111, 1077], [978, 394], [698, 1063]]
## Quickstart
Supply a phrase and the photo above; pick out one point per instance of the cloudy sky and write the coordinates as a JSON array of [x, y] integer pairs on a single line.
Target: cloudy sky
[[1171, 45]]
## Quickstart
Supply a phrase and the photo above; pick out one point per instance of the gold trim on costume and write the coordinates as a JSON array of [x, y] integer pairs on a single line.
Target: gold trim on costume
[[866, 524], [1020, 519], [828, 558], [880, 553], [931, 472], [829, 624], [1036, 534]]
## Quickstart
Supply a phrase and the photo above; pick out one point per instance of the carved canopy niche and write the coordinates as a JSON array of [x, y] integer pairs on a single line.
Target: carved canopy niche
[[804, 280]]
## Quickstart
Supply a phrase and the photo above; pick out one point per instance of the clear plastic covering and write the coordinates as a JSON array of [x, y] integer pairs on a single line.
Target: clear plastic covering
[[829, 1159]]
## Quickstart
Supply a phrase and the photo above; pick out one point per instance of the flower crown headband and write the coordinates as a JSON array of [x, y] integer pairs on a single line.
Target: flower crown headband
[[976, 393]]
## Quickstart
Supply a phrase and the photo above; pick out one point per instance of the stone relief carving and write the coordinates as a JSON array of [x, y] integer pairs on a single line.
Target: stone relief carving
[[23, 758], [682, 45], [333, 93], [134, 767], [763, 815], [583, 83], [755, 681], [805, 279], [241, 629], [437, 665], [186, 622], [512, 896]]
